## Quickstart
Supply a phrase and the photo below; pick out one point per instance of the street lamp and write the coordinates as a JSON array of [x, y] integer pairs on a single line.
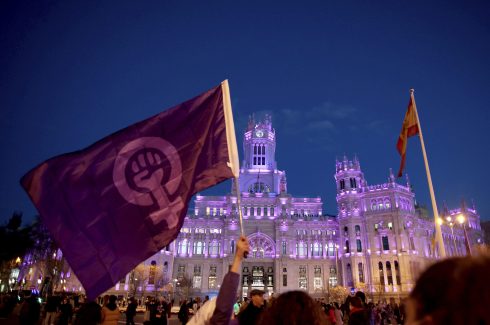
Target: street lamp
[[440, 221], [461, 219], [174, 288], [451, 225]]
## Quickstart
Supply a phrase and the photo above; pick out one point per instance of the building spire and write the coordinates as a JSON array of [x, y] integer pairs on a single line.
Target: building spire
[[392, 177], [463, 205]]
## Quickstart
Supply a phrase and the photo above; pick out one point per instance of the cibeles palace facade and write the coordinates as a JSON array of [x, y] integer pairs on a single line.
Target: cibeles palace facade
[[378, 242]]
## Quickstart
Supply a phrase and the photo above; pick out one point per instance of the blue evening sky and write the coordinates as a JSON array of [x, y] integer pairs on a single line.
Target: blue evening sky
[[334, 75]]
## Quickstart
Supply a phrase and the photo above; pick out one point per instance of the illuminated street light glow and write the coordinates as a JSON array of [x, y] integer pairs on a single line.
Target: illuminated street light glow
[[461, 218]]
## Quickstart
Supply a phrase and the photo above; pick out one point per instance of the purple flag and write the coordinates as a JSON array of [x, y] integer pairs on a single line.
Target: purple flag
[[116, 203]]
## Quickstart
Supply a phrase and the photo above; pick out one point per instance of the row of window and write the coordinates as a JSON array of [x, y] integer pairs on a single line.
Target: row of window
[[258, 211], [186, 230], [304, 232], [199, 248], [389, 273], [316, 249], [197, 276], [352, 183], [259, 155], [211, 211], [385, 204]]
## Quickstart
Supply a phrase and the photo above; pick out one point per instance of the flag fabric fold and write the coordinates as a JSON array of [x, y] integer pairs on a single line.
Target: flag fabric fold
[[410, 128], [121, 200]]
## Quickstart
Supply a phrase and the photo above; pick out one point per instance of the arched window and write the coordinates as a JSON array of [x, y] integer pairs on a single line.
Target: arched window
[[359, 245], [358, 230], [386, 243], [389, 275], [387, 203], [381, 274], [153, 268], [301, 249], [361, 272], [214, 248], [183, 247], [347, 247], [262, 244], [373, 205], [259, 187], [397, 273], [412, 243], [346, 230], [232, 246], [317, 250], [198, 248], [350, 281], [284, 248], [353, 183], [342, 184], [331, 249]]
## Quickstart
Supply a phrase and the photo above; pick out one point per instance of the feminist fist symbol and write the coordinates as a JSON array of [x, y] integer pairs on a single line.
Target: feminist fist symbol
[[146, 172]]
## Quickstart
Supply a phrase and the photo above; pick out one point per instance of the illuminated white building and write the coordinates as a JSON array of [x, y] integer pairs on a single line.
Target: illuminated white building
[[378, 242]]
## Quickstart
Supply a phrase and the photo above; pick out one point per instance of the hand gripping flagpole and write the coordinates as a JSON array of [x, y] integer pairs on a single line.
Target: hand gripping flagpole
[[442, 250], [232, 149]]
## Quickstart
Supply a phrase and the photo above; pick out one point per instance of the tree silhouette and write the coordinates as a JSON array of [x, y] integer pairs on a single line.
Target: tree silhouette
[[15, 241], [47, 256]]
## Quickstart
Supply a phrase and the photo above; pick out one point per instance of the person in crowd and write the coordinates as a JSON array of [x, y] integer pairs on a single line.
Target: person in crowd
[[183, 314], [131, 311], [330, 312], [196, 305], [51, 310], [361, 295], [30, 311], [452, 291], [357, 314], [236, 307], [66, 312], [338, 314], [251, 313], [163, 308], [204, 314], [226, 297], [294, 307], [110, 312], [88, 314], [243, 305]]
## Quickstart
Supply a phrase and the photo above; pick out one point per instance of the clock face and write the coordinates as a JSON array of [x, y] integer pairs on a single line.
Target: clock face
[[259, 133]]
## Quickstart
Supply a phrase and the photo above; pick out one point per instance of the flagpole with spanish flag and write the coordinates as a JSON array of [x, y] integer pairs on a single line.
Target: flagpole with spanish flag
[[411, 126]]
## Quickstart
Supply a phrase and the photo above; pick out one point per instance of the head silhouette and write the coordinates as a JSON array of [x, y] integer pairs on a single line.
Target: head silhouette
[[452, 291], [294, 308]]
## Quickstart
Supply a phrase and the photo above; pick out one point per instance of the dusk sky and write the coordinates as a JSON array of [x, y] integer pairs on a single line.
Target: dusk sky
[[334, 75]]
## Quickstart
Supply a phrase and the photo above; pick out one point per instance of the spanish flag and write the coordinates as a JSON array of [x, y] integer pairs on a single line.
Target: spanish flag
[[410, 128]]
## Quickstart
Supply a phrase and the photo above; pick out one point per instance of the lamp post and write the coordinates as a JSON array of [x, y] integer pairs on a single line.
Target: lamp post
[[461, 219], [451, 225], [175, 288]]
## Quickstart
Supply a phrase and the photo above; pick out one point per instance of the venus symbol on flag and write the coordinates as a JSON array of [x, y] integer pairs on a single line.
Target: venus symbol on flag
[[147, 172]]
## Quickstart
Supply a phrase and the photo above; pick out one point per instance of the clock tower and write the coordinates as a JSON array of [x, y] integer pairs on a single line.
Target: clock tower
[[259, 145], [259, 172]]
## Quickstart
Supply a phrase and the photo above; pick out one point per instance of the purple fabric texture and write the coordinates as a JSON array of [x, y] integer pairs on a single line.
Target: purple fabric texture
[[114, 204]]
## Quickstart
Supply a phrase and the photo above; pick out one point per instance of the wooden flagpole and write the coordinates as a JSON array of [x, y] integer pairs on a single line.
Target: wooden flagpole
[[232, 148], [442, 250]]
